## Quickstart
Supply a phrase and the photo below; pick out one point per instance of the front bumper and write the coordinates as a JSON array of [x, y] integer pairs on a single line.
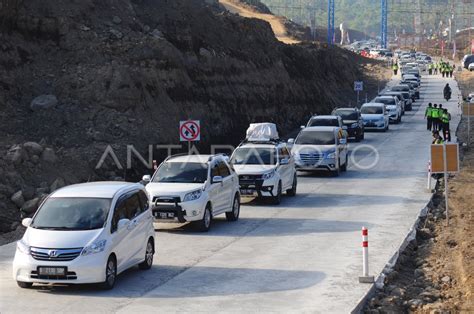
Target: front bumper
[[354, 132], [378, 125], [254, 186], [327, 164], [173, 210], [81, 270]]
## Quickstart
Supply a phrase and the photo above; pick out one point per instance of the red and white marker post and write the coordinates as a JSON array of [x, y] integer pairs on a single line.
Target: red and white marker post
[[365, 278], [428, 185]]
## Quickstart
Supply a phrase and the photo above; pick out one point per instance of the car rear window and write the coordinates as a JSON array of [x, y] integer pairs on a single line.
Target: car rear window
[[324, 122]]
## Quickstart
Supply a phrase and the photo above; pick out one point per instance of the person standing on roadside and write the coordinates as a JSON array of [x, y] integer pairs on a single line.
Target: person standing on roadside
[[435, 68], [451, 70], [395, 68], [430, 69], [445, 117], [429, 119], [434, 117]]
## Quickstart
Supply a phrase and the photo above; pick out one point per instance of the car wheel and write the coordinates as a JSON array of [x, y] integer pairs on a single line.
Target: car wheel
[[276, 200], [234, 214], [24, 285], [363, 135], [292, 191], [337, 172], [204, 224], [110, 273], [344, 168], [149, 252]]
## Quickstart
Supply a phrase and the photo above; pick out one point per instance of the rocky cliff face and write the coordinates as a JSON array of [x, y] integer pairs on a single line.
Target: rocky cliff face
[[77, 76]]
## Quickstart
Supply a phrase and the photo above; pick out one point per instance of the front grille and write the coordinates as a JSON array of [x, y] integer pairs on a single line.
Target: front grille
[[70, 276], [311, 158], [249, 178], [166, 199], [55, 255]]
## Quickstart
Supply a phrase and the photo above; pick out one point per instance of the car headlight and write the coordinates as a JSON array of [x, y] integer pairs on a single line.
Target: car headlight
[[331, 155], [191, 196], [268, 175], [23, 248], [354, 125], [96, 247]]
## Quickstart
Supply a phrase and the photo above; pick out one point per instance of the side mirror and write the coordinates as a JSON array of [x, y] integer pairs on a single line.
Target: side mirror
[[216, 179], [291, 141], [343, 141], [26, 222], [123, 223], [285, 161], [146, 178], [344, 127]]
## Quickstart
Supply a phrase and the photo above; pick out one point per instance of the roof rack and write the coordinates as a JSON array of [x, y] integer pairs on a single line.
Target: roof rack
[[269, 141]]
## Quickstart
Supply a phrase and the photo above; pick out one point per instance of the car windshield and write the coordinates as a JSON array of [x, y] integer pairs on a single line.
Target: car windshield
[[324, 122], [181, 172], [347, 114], [75, 213], [371, 110], [387, 101], [254, 156], [316, 138]]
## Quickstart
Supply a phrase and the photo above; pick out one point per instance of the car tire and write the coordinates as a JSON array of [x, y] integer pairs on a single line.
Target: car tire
[[363, 135], [149, 252], [344, 168], [276, 200], [24, 285], [292, 191], [110, 273], [234, 214], [337, 172], [204, 225]]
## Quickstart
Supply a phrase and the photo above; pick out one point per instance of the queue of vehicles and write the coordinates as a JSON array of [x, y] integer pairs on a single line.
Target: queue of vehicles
[[91, 232]]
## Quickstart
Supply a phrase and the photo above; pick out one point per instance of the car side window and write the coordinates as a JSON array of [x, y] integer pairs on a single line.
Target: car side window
[[223, 169], [144, 202], [133, 206], [215, 170], [120, 212]]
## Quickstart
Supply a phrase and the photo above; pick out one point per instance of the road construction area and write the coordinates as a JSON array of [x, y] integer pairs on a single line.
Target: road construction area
[[303, 255]]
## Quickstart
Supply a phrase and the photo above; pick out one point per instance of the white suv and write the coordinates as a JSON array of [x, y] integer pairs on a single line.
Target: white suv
[[86, 233], [321, 148], [265, 168], [194, 188]]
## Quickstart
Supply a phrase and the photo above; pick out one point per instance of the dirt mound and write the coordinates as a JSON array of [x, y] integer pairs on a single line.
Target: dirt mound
[[78, 77]]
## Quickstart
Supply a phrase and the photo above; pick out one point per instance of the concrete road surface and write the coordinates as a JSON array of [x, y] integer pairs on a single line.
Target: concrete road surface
[[301, 256]]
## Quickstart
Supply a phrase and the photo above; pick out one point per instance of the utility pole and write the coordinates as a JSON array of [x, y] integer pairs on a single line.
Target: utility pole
[[331, 21], [383, 31]]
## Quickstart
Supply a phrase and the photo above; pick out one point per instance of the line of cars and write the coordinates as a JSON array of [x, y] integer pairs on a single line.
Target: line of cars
[[91, 232]]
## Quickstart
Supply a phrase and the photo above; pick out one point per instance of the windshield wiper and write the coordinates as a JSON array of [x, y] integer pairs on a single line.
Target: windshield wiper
[[50, 228]]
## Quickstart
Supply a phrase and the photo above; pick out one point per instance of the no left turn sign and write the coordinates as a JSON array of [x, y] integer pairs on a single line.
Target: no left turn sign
[[189, 131]]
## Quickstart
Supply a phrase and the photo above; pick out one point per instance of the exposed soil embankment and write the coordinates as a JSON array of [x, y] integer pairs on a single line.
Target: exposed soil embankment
[[78, 76]]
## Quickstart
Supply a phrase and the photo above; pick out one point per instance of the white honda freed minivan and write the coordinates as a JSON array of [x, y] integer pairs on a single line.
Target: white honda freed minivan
[[86, 233]]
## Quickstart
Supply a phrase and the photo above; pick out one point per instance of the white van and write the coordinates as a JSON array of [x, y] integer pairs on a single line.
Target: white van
[[86, 233]]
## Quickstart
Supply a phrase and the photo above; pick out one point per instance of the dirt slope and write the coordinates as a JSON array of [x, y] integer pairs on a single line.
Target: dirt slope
[[276, 22]]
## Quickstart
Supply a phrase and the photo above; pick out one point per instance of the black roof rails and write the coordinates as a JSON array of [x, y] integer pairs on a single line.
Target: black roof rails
[[269, 141]]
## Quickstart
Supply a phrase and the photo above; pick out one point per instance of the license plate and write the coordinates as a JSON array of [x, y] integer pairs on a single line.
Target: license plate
[[164, 215], [52, 271], [248, 192]]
